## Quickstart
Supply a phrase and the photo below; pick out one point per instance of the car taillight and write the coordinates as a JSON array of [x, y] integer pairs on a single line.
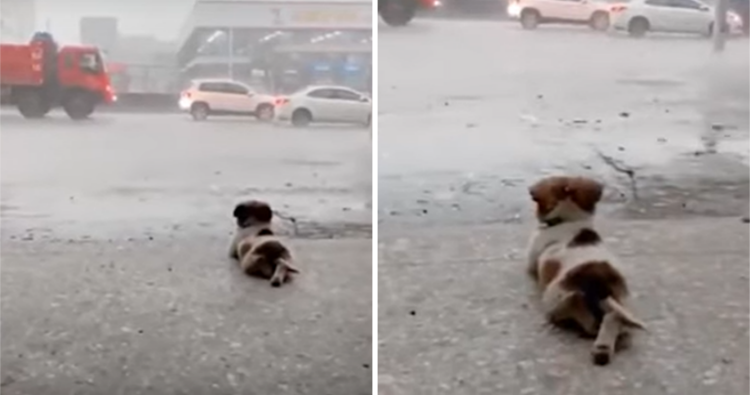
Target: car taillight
[[618, 8], [186, 95], [281, 101]]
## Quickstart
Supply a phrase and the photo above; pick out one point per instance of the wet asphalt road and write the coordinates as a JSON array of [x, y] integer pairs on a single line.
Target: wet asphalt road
[[482, 112], [487, 107], [154, 173], [115, 276]]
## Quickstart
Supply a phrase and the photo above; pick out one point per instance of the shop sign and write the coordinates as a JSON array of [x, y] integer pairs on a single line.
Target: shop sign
[[326, 17]]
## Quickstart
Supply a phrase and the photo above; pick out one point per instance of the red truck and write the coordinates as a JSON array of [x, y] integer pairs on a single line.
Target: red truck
[[401, 12], [38, 76]]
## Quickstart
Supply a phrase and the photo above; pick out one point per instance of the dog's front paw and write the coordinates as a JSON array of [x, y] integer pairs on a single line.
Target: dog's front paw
[[601, 354]]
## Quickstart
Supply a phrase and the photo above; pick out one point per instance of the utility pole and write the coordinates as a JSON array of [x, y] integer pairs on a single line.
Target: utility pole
[[720, 25], [230, 40]]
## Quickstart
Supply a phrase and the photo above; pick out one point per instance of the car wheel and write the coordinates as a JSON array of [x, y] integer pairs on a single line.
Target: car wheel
[[264, 112], [199, 111], [599, 21], [396, 12], [638, 27], [301, 117], [530, 19]]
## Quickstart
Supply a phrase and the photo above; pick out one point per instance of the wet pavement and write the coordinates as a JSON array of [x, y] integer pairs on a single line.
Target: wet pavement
[[485, 110], [165, 173], [465, 127], [115, 276]]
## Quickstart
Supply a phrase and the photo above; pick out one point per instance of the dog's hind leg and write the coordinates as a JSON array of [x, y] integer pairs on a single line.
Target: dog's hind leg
[[573, 307], [279, 274], [606, 340], [256, 265]]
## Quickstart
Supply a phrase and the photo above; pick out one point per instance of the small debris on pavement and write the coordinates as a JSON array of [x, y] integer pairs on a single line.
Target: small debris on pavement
[[366, 365], [717, 127], [471, 125], [621, 148], [624, 114], [746, 220], [413, 312], [540, 96], [580, 121], [661, 140]]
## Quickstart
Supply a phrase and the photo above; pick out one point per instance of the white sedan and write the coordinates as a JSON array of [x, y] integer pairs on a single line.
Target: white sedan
[[328, 104], [638, 17]]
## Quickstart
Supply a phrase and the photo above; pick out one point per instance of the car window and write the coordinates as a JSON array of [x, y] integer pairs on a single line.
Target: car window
[[322, 94], [689, 4], [346, 95], [212, 87], [658, 3], [235, 89]]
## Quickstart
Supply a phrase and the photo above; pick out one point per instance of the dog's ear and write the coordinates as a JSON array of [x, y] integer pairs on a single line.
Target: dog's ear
[[241, 212], [585, 192], [547, 192]]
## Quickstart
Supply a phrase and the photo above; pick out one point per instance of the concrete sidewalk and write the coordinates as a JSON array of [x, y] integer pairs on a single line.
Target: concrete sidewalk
[[458, 315], [175, 316]]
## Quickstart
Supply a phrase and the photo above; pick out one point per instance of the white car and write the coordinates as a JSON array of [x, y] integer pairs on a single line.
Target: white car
[[638, 17], [332, 104], [532, 13], [207, 97]]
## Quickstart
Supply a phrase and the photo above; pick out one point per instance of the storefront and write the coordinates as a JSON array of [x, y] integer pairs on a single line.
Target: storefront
[[279, 45]]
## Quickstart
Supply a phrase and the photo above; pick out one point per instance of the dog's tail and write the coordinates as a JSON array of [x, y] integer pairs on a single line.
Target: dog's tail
[[602, 287]]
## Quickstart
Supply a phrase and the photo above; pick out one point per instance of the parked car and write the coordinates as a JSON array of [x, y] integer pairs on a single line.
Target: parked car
[[742, 9], [639, 17], [532, 13], [334, 104], [209, 97]]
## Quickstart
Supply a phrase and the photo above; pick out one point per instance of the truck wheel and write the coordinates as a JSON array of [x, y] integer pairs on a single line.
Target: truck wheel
[[31, 105], [397, 12], [79, 106]]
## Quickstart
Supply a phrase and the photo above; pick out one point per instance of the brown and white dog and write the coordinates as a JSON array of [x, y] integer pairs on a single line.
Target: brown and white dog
[[256, 247], [577, 275]]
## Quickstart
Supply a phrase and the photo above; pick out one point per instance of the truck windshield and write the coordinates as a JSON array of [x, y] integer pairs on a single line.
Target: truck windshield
[[91, 62]]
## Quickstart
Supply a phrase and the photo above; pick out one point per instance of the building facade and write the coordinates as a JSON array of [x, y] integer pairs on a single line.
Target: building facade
[[279, 45]]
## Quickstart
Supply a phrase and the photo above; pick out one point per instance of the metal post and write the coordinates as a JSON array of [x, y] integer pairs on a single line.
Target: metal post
[[230, 40], [720, 21]]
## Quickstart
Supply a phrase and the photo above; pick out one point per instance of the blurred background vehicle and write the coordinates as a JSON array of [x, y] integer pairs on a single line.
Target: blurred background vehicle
[[742, 9], [327, 104], [401, 12], [532, 13], [39, 76], [225, 97], [639, 17]]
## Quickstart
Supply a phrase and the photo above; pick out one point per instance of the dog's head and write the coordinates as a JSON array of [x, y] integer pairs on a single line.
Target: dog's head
[[565, 198], [252, 212]]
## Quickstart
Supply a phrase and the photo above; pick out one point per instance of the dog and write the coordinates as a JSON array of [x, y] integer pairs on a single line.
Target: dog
[[256, 247], [578, 277]]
